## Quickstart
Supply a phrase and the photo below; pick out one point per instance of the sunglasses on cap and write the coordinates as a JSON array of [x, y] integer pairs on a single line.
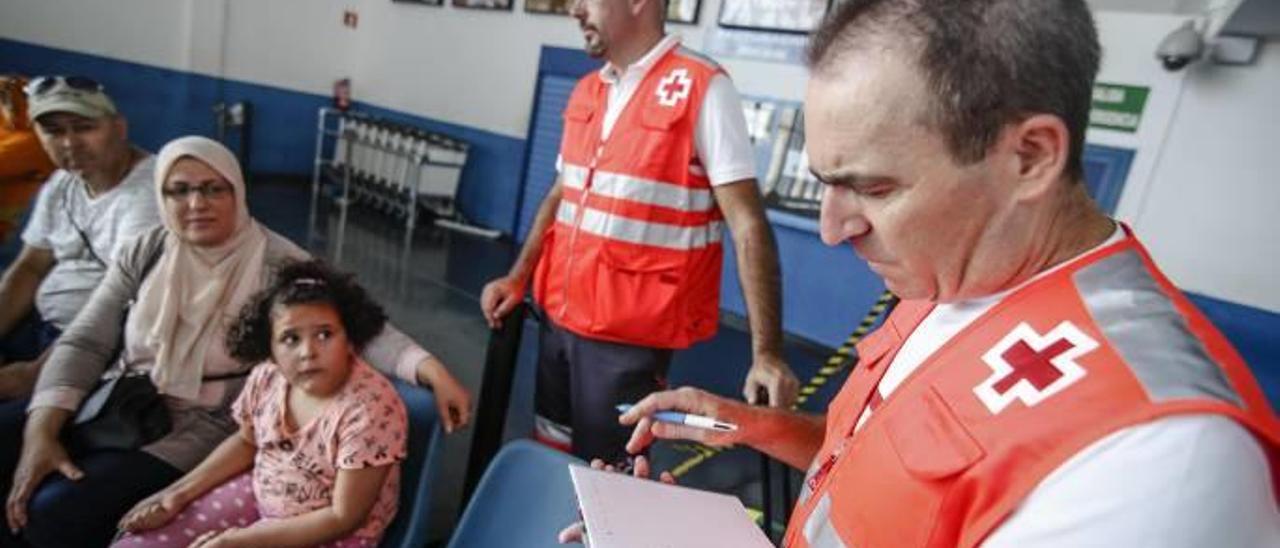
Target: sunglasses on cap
[[45, 84]]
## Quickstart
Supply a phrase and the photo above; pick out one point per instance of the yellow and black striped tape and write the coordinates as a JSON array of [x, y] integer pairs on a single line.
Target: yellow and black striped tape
[[843, 356], [837, 362]]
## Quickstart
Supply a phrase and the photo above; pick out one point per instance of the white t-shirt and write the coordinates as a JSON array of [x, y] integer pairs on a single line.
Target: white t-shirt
[[109, 220], [1184, 481], [720, 135]]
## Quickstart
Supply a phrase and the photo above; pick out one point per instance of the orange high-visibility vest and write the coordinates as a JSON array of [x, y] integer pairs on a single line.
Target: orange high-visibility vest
[[634, 255], [1104, 343]]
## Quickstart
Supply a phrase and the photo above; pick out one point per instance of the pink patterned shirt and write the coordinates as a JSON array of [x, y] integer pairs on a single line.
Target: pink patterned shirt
[[294, 472]]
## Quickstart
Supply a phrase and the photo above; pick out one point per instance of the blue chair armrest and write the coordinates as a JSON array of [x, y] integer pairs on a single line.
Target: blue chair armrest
[[524, 499], [418, 472]]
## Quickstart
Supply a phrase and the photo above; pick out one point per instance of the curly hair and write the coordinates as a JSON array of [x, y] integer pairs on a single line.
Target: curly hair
[[304, 282]]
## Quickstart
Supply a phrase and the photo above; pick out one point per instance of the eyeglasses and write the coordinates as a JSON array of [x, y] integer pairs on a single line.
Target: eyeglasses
[[44, 84], [181, 192]]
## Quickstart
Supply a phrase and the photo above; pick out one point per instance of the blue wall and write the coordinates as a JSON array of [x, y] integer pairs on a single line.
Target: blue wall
[[162, 104]]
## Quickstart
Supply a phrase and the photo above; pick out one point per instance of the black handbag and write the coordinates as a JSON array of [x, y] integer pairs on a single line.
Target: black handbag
[[124, 412]]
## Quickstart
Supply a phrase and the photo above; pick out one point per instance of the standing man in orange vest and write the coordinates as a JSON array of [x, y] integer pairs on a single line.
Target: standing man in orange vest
[[1041, 383], [625, 252]]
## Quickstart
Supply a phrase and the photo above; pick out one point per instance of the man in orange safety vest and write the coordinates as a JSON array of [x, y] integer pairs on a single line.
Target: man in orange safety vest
[[624, 255], [1042, 383]]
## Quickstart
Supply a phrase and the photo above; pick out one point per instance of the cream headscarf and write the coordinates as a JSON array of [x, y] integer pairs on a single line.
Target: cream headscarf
[[194, 290]]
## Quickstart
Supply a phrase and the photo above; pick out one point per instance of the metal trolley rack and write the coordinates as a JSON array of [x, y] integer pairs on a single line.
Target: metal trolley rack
[[394, 168]]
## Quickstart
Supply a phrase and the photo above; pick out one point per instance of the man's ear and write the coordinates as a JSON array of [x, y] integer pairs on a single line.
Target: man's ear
[[121, 127], [1040, 146]]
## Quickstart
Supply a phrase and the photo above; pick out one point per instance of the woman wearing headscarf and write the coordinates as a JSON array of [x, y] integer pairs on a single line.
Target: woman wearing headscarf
[[24, 165], [165, 303]]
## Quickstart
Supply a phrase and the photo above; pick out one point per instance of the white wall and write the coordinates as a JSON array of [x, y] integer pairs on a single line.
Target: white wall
[[146, 31], [1202, 190], [471, 67], [1212, 213], [292, 44]]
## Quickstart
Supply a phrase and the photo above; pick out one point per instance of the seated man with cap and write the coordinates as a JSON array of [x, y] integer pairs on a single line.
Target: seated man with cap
[[98, 199]]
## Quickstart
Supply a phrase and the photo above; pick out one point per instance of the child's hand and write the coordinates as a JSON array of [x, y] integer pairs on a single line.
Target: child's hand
[[152, 512], [453, 402], [226, 538]]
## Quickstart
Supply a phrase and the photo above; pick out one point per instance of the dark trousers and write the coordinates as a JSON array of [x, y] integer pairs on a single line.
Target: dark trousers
[[579, 383], [65, 513], [27, 340]]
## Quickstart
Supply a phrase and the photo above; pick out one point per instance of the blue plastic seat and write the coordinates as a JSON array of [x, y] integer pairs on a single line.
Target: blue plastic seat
[[418, 472], [524, 499], [11, 245]]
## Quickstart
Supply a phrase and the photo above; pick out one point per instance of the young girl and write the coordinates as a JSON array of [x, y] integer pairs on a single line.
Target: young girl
[[316, 461]]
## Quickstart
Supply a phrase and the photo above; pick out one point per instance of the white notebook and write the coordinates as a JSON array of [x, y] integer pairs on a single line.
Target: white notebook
[[625, 512]]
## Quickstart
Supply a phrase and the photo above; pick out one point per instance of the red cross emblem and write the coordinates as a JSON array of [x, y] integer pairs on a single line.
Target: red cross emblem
[[674, 88], [1029, 367]]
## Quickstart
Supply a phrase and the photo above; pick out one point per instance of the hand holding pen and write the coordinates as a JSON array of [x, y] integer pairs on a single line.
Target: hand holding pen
[[687, 414], [689, 419]]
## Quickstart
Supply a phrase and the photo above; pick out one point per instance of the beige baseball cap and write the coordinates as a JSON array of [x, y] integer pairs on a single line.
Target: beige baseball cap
[[74, 94]]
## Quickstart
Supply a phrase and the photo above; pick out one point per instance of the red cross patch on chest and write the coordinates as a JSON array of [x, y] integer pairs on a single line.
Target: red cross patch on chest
[[674, 87], [1030, 367]]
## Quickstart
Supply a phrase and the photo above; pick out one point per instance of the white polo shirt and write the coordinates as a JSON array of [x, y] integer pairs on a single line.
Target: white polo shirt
[[720, 135]]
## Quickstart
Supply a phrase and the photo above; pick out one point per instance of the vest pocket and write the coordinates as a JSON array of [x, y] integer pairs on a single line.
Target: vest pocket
[[929, 440], [903, 472], [656, 145], [638, 293]]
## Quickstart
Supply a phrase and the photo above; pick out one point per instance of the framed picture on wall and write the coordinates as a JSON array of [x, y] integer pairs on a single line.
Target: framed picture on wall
[[683, 11], [678, 11], [797, 16], [548, 6], [422, 2], [483, 4]]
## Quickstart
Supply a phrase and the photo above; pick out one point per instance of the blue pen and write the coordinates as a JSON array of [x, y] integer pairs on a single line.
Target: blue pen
[[676, 417]]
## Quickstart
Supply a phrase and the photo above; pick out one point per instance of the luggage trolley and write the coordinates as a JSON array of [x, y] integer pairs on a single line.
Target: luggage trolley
[[389, 167]]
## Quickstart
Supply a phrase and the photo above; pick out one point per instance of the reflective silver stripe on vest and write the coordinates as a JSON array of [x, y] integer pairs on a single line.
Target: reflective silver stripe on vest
[[1142, 324], [626, 187], [572, 176], [636, 189], [617, 227], [818, 531], [565, 212]]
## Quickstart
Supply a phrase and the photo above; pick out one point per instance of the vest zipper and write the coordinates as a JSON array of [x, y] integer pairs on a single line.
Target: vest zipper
[[821, 474], [579, 215]]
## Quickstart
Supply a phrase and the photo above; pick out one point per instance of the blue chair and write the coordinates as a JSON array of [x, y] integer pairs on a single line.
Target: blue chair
[[418, 472], [524, 499], [1251, 331], [12, 245]]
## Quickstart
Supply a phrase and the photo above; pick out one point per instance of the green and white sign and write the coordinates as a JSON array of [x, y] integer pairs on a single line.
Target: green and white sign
[[1117, 106]]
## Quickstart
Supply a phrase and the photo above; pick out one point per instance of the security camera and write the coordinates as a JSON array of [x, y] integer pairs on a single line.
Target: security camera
[[1180, 47]]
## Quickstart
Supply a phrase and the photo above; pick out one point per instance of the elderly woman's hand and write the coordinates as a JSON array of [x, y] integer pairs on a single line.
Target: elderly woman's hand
[[452, 400], [41, 456]]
